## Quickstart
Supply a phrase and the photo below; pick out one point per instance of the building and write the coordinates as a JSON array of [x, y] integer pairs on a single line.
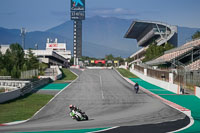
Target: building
[[60, 48], [186, 56], [55, 54], [3, 48], [146, 32]]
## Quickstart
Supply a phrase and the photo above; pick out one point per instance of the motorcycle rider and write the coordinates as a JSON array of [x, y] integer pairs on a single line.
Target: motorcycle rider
[[74, 110], [71, 107], [136, 87]]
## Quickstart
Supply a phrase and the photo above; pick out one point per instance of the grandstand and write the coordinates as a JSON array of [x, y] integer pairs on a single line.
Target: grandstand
[[187, 56], [146, 32]]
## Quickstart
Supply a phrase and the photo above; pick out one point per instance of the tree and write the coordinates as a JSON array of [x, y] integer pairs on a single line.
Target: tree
[[109, 57], [196, 35], [168, 46], [17, 55], [155, 51], [32, 61], [15, 73], [4, 72], [24, 68]]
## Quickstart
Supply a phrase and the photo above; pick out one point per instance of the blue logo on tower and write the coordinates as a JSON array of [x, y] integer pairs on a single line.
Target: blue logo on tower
[[78, 5], [77, 2]]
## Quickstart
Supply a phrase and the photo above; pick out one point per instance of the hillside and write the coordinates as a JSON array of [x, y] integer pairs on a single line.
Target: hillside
[[101, 36]]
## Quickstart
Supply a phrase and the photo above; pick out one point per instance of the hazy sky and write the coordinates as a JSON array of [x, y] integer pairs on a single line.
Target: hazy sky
[[44, 14]]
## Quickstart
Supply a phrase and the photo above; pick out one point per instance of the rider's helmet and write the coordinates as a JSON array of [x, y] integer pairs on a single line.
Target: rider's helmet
[[71, 106]]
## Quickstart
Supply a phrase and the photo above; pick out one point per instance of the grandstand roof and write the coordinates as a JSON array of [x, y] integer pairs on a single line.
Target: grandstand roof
[[147, 31]]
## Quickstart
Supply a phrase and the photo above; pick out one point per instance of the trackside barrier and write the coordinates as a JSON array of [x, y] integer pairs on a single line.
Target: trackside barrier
[[163, 84], [59, 73], [197, 91], [13, 83], [6, 96], [57, 76], [99, 67]]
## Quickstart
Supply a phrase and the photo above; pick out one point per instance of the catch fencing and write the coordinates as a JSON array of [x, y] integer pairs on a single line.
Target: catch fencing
[[29, 74], [181, 76], [187, 78]]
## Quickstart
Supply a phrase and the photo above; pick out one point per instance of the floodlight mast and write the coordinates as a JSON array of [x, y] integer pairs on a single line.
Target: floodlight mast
[[23, 34]]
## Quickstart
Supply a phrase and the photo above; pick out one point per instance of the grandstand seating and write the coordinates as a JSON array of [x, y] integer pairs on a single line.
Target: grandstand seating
[[194, 66], [176, 52]]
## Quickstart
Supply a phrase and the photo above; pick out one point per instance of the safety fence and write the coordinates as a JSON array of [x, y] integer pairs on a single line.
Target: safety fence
[[29, 74], [180, 76], [5, 77], [187, 78], [139, 68], [158, 74]]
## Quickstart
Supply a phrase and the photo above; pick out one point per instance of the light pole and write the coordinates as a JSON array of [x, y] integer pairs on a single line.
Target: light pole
[[23, 34]]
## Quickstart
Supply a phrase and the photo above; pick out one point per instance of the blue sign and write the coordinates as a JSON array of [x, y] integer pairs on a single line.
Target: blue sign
[[77, 5]]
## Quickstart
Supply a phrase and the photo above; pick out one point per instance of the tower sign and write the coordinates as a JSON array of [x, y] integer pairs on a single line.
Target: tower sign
[[77, 14]]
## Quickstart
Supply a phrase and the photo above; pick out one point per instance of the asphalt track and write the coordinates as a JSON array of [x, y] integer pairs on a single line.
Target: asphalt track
[[109, 101]]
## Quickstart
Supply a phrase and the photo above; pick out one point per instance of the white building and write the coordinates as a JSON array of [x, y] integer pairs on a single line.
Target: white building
[[3, 48], [55, 53], [60, 48]]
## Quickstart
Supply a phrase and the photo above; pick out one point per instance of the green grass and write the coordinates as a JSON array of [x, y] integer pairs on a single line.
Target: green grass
[[126, 73], [67, 76], [22, 108]]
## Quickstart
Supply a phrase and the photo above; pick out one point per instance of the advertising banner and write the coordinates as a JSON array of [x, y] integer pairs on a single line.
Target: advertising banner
[[77, 5]]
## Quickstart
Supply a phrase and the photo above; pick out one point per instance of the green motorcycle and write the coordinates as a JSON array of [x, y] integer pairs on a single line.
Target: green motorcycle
[[79, 116]]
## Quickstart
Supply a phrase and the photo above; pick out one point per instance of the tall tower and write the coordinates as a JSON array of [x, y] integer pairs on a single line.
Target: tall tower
[[23, 34], [77, 15]]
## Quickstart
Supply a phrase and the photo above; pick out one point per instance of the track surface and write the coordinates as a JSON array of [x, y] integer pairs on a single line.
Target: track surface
[[106, 98]]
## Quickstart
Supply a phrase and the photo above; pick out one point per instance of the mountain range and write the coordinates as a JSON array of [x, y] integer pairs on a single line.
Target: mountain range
[[101, 36]]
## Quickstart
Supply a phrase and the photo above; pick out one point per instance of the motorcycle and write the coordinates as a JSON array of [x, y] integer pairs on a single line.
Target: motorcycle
[[79, 116]]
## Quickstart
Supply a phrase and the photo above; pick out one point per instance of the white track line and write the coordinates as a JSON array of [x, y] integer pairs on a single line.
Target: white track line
[[189, 125], [104, 129], [101, 85]]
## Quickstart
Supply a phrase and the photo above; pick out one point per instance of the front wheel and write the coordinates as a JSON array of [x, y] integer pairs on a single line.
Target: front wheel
[[86, 117], [77, 118]]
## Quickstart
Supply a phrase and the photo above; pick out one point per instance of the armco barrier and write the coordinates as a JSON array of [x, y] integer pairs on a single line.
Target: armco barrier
[[34, 85], [6, 96]]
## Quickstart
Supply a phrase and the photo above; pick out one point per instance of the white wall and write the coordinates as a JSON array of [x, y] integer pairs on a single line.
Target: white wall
[[58, 76], [197, 91], [163, 84]]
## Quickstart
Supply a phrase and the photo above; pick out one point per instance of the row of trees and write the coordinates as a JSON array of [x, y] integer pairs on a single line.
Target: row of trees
[[154, 51], [196, 35], [13, 62]]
